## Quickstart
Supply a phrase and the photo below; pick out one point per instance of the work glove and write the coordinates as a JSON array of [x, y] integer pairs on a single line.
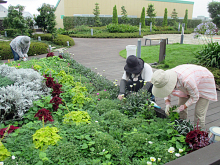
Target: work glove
[[25, 55], [120, 97], [167, 109], [24, 59], [179, 109]]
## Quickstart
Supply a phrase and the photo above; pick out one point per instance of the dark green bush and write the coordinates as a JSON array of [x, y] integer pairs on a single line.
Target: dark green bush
[[121, 28], [11, 32], [216, 73], [5, 81], [108, 35], [62, 40], [47, 37], [209, 56], [35, 48]]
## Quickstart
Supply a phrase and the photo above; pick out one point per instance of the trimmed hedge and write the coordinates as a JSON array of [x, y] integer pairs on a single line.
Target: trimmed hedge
[[59, 40], [35, 48], [108, 35]]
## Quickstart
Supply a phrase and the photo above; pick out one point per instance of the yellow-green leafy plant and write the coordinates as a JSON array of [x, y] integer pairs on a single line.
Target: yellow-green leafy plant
[[76, 117], [3, 151]]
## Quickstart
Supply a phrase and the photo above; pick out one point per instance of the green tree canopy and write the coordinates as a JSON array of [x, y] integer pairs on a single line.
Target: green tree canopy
[[143, 18], [46, 19], [124, 15], [214, 11], [96, 12], [151, 13], [115, 15]]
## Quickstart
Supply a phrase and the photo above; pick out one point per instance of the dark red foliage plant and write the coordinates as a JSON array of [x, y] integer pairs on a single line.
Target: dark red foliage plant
[[44, 113], [49, 82], [197, 139], [56, 89], [11, 129], [56, 101], [61, 56], [50, 54]]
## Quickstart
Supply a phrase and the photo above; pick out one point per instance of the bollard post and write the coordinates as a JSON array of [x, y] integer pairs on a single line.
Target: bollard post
[[151, 27], [182, 34], [68, 44], [139, 48], [162, 50], [91, 32], [139, 28], [179, 27], [39, 38], [5, 33], [50, 48]]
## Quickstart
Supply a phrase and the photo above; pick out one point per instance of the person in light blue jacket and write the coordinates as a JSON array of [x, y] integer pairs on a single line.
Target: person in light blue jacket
[[20, 47]]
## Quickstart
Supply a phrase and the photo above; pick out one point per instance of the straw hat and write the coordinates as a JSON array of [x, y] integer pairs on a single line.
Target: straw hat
[[163, 82], [134, 65]]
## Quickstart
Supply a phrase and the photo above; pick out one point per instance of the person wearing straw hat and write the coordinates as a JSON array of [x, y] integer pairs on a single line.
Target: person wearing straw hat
[[20, 46], [136, 75], [193, 84]]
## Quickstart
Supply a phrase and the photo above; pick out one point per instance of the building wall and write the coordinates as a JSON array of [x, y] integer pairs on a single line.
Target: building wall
[[133, 7], [60, 11]]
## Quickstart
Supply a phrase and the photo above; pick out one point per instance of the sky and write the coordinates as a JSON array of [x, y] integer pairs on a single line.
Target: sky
[[199, 9]]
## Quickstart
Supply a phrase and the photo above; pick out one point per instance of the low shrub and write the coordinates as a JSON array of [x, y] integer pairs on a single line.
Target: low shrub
[[121, 28], [5, 81], [108, 35], [62, 40]]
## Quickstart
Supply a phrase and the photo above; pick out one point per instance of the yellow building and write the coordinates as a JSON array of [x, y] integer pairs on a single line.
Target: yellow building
[[133, 8]]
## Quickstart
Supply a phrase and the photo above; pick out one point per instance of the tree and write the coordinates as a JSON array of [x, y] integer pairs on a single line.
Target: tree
[[214, 11], [165, 18], [15, 19], [174, 16], [46, 19], [124, 15], [96, 12], [115, 15], [143, 18], [151, 13], [185, 20]]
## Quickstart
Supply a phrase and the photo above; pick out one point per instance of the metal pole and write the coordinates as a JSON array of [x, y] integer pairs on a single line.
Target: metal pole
[[39, 39], [139, 48], [179, 27], [182, 34], [151, 27], [162, 50], [139, 28], [5, 33], [68, 44], [91, 32]]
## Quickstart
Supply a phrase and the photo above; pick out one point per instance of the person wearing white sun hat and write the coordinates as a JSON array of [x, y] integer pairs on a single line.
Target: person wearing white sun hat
[[20, 47], [191, 83]]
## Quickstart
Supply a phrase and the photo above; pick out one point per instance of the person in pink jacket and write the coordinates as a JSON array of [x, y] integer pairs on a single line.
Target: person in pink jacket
[[193, 84], [20, 47]]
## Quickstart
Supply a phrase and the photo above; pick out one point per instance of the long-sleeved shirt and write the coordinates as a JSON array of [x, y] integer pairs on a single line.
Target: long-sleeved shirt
[[146, 73], [18, 47], [194, 81]]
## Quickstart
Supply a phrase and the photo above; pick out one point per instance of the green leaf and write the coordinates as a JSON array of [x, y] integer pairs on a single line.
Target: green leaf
[[84, 146], [92, 149], [169, 131], [108, 156], [39, 163]]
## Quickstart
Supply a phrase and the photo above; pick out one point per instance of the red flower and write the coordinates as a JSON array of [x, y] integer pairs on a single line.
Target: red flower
[[50, 54], [56, 101], [44, 113], [56, 89], [11, 129]]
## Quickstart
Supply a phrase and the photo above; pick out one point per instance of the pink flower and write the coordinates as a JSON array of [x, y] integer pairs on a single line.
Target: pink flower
[[98, 99], [104, 89], [19, 64], [97, 93]]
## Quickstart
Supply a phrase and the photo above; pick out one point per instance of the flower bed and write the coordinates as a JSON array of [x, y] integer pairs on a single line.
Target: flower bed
[[80, 121]]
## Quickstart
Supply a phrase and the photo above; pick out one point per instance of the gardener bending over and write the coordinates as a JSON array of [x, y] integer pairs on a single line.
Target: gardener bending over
[[136, 74], [20, 46], [192, 84]]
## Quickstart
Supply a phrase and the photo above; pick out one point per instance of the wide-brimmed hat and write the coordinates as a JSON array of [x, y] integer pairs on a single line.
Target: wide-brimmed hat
[[134, 65], [163, 82], [25, 40]]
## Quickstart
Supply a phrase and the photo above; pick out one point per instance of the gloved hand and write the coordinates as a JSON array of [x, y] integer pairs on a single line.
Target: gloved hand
[[25, 55], [24, 59], [179, 109], [167, 109], [120, 97]]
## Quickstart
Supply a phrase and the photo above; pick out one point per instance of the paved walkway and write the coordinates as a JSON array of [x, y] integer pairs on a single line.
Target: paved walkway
[[103, 54]]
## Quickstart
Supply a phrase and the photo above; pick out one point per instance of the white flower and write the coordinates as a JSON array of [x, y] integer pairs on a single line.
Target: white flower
[[35, 54], [150, 142], [95, 68], [180, 150], [116, 85], [103, 150], [96, 121], [13, 157], [116, 80], [134, 84], [100, 75], [131, 86], [159, 159], [171, 150], [153, 159], [149, 163], [103, 70], [177, 154], [140, 81]]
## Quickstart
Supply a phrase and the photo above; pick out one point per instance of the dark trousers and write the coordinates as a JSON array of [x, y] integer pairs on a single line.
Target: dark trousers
[[16, 56]]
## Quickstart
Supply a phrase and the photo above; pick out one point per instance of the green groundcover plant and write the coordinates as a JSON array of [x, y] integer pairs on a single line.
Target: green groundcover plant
[[106, 131]]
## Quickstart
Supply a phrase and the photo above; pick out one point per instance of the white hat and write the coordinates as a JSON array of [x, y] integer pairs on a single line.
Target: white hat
[[25, 40], [163, 82]]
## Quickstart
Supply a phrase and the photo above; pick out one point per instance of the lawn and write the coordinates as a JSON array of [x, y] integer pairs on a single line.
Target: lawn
[[176, 54]]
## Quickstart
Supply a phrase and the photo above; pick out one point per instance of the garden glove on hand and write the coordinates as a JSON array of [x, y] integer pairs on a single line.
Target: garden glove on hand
[[24, 59], [25, 55], [167, 109], [179, 109]]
